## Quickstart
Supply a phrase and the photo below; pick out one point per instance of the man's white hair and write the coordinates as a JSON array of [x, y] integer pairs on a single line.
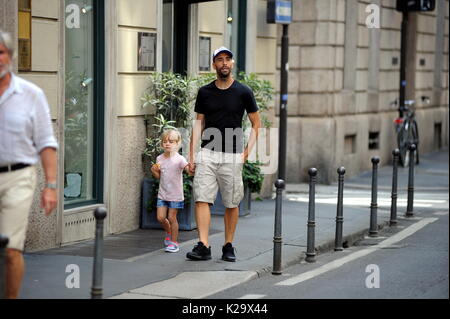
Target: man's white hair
[[7, 41]]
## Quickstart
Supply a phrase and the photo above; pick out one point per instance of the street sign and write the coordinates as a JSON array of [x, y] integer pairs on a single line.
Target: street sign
[[415, 5], [279, 11]]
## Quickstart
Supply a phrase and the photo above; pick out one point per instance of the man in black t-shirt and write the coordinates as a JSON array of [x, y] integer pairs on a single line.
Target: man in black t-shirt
[[220, 108]]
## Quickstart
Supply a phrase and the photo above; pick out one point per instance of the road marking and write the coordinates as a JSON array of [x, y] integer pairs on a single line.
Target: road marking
[[250, 296], [365, 201], [339, 262]]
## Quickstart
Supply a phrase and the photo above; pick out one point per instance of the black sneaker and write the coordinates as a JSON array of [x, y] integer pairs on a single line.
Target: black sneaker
[[200, 252], [228, 253]]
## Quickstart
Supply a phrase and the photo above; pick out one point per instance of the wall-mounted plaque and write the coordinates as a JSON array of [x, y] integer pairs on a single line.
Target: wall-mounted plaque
[[24, 35], [205, 54], [146, 51], [24, 55]]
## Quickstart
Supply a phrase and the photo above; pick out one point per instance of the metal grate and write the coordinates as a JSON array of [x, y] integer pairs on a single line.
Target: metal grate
[[78, 226]]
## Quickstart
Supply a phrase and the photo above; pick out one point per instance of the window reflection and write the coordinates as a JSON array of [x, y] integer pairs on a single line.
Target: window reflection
[[79, 104]]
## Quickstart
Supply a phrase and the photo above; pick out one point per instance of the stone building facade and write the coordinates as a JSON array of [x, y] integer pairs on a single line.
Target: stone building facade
[[344, 75]]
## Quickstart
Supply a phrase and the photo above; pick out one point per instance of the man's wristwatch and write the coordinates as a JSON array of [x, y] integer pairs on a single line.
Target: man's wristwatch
[[51, 186]]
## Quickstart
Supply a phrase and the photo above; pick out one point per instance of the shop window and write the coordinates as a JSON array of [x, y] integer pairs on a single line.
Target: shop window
[[84, 87], [437, 136], [374, 140]]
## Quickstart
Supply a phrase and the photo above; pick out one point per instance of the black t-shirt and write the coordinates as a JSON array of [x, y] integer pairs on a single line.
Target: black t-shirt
[[224, 110]]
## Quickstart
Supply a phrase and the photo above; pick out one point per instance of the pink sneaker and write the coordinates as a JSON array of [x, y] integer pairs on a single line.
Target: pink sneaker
[[167, 241], [173, 248]]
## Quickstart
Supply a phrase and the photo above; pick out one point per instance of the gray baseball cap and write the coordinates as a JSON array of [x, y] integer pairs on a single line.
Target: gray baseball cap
[[221, 50]]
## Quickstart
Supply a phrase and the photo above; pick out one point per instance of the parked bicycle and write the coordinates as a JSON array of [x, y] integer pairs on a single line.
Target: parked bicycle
[[407, 132]]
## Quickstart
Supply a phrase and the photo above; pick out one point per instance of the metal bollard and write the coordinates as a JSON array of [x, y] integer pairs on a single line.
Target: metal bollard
[[340, 210], [3, 242], [97, 278], [277, 239], [393, 219], [373, 231], [409, 207], [310, 250]]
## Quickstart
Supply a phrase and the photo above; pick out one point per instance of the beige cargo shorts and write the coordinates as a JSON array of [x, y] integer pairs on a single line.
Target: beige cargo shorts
[[16, 196], [218, 171]]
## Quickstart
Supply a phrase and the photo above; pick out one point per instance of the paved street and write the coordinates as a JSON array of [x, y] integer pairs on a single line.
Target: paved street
[[415, 267]]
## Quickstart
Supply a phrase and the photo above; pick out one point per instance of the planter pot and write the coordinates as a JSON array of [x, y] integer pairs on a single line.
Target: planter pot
[[244, 208], [186, 216]]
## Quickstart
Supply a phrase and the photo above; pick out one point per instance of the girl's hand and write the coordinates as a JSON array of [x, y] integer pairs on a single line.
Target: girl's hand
[[156, 170]]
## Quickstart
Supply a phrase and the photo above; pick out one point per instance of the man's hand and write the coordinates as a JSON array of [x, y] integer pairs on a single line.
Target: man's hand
[[192, 168], [49, 200]]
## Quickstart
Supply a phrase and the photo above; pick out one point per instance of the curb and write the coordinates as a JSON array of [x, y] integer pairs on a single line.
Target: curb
[[328, 246]]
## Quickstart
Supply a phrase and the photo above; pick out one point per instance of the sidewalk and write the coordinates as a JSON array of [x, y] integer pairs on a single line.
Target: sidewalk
[[135, 268]]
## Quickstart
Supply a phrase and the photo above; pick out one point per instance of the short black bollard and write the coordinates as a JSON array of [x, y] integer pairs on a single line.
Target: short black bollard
[[409, 207], [393, 219], [277, 239], [310, 250], [340, 210], [373, 231], [97, 277], [3, 242]]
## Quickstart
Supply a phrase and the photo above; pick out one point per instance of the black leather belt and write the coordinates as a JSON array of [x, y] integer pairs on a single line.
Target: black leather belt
[[14, 167]]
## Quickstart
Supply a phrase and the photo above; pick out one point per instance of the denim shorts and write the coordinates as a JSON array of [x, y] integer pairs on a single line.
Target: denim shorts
[[164, 203]]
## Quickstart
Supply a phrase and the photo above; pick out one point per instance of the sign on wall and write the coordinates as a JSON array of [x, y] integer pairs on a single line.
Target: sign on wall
[[24, 52], [205, 54], [146, 51]]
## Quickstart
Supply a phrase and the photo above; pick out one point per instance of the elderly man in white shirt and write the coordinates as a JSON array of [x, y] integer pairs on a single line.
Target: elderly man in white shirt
[[26, 135]]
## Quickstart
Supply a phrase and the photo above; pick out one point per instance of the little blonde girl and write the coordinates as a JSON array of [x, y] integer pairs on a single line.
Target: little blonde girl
[[169, 169]]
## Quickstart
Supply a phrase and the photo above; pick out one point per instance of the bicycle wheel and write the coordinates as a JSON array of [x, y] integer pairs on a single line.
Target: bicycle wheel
[[403, 144], [415, 138]]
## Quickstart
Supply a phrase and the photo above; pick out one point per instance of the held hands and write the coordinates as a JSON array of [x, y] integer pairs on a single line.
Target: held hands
[[191, 168]]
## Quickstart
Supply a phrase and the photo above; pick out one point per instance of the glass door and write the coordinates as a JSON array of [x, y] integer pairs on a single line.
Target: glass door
[[83, 107]]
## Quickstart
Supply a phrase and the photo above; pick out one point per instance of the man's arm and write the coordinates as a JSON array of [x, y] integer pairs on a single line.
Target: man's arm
[[49, 196], [255, 119], [197, 132]]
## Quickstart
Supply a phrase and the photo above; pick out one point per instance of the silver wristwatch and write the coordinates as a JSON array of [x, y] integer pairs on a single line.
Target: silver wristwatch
[[51, 186]]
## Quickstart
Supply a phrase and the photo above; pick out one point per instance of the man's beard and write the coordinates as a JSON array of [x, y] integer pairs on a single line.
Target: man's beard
[[223, 75], [5, 71]]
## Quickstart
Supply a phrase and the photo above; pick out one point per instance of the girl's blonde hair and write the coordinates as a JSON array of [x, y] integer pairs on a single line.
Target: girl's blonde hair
[[167, 133]]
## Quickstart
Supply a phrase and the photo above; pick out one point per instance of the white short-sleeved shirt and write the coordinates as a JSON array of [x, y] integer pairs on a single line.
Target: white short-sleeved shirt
[[171, 181], [25, 123]]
